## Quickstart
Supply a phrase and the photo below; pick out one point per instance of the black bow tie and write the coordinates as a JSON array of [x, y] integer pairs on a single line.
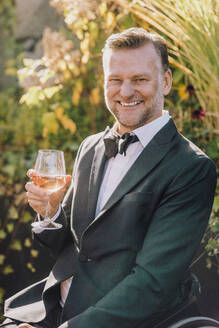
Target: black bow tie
[[115, 144]]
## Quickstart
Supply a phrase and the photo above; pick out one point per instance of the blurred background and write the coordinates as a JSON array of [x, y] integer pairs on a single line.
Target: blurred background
[[51, 96]]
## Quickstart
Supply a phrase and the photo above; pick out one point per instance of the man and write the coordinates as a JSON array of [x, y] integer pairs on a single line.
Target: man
[[133, 220]]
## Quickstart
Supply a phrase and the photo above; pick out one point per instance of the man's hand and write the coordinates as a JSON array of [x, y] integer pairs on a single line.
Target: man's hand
[[43, 201]]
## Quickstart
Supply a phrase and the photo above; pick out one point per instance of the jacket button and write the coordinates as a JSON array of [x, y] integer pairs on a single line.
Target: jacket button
[[83, 258]]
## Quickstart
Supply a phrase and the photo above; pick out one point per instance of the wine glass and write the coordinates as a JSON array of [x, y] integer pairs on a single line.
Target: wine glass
[[50, 169]]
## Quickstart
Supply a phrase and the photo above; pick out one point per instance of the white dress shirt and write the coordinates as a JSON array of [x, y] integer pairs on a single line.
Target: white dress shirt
[[116, 168]]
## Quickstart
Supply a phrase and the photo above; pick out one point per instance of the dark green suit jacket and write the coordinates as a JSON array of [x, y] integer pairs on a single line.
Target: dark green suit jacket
[[128, 262]]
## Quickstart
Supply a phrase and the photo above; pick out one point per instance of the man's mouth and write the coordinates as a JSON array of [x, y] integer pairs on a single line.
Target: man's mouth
[[129, 104]]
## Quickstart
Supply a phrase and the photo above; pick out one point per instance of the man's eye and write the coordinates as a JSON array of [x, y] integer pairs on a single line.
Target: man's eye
[[115, 81], [140, 80]]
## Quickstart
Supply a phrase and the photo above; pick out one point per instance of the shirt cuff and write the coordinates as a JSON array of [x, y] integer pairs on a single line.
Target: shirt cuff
[[45, 222]]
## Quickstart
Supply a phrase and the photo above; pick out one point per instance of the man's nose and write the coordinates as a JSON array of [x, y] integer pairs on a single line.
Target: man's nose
[[126, 89]]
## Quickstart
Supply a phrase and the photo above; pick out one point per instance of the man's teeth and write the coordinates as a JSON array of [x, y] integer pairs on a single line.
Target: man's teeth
[[134, 103]]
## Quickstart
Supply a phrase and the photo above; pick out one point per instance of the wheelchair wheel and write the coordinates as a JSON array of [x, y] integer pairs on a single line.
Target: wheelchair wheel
[[196, 322]]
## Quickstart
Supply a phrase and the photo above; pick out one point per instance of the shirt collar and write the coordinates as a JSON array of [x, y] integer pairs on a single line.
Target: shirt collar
[[146, 132]]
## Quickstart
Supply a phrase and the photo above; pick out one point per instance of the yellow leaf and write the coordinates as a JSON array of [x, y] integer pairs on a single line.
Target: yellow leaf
[[84, 46], [3, 234], [183, 92], [50, 123], [8, 269], [10, 71], [28, 62], [77, 92], [68, 124], [74, 69], [45, 132], [102, 8], [27, 242], [10, 227], [16, 245], [94, 29], [30, 266], [67, 75], [49, 92], [85, 58], [13, 213], [2, 293], [10, 62], [110, 19], [94, 96], [59, 111], [2, 259], [26, 217], [34, 252], [61, 65], [32, 97]]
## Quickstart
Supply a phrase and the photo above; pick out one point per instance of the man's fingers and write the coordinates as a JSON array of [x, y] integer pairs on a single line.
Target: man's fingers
[[32, 197], [31, 187], [31, 173], [25, 325]]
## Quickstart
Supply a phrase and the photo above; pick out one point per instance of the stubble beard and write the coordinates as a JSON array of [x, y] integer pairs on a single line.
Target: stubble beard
[[152, 109]]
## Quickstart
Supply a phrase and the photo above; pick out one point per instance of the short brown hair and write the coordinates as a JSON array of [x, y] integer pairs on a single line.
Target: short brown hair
[[136, 37]]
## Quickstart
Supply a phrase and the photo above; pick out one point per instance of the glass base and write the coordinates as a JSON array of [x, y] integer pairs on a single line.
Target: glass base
[[46, 224]]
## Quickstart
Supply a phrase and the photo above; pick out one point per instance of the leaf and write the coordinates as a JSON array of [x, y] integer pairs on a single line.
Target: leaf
[[34, 253], [10, 227], [10, 71], [8, 269], [68, 124], [2, 259], [110, 19], [2, 293], [26, 217], [50, 123], [94, 96], [216, 204], [13, 213], [94, 29], [208, 263], [3, 234], [16, 245], [59, 112], [31, 267], [77, 92], [49, 92], [84, 46], [2, 190], [85, 57], [183, 92], [215, 227], [33, 96], [102, 9], [27, 242]]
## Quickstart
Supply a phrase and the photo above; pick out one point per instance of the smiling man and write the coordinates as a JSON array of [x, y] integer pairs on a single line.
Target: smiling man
[[135, 213]]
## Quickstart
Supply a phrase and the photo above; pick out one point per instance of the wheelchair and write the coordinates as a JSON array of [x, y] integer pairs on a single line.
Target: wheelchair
[[196, 322]]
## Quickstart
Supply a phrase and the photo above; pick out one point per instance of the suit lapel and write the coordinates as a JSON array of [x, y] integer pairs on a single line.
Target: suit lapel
[[148, 159], [96, 174]]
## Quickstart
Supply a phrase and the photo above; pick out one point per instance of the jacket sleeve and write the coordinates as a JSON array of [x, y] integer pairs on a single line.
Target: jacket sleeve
[[174, 235]]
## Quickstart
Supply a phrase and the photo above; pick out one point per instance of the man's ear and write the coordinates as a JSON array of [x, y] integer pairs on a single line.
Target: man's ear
[[167, 82]]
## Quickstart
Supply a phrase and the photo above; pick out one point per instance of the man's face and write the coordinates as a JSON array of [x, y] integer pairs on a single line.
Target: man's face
[[134, 86]]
